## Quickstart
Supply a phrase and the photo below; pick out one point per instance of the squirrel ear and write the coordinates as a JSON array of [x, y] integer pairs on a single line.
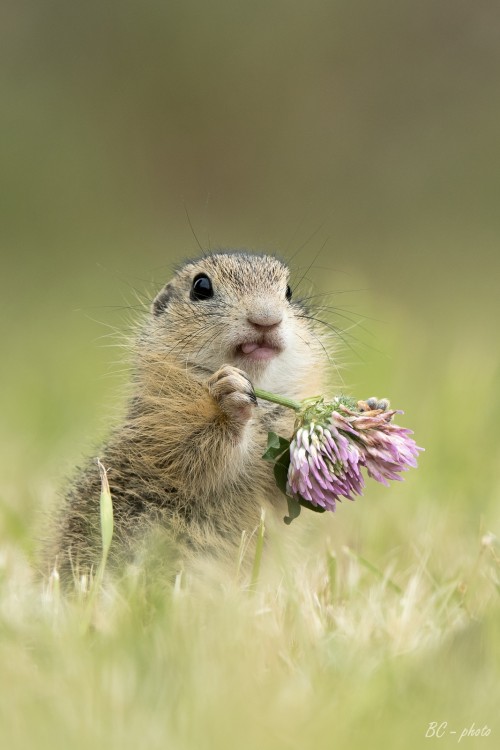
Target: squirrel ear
[[160, 302]]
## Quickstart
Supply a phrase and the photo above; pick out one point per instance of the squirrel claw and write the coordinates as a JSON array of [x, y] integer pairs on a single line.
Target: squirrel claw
[[234, 392]]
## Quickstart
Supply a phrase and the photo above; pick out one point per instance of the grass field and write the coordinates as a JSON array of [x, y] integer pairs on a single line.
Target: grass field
[[366, 626]]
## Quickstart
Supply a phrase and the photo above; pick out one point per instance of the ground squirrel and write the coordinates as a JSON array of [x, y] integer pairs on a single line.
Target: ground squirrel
[[187, 457]]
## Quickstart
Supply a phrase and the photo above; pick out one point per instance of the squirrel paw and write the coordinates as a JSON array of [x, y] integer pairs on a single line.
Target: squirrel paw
[[233, 391]]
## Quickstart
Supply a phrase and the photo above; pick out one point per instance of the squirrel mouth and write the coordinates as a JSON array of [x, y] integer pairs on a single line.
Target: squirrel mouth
[[257, 352]]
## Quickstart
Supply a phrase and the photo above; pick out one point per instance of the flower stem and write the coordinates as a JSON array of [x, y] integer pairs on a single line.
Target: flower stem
[[282, 400]]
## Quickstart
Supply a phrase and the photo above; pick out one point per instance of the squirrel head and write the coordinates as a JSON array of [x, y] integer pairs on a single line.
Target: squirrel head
[[236, 308]]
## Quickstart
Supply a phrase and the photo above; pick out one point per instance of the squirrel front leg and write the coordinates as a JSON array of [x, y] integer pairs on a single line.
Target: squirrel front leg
[[232, 390], [213, 455], [197, 432]]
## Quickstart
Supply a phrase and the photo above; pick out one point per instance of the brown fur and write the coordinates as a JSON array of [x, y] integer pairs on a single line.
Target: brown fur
[[186, 462]]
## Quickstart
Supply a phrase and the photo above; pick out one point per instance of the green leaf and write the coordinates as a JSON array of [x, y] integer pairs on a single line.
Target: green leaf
[[276, 446], [293, 510], [273, 440], [310, 506], [278, 451], [281, 474]]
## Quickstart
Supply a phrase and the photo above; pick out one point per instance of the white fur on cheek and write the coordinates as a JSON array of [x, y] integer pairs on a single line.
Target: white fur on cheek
[[289, 372]]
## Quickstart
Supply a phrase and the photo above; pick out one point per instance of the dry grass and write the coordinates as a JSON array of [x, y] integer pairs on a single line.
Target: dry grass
[[329, 652], [363, 628]]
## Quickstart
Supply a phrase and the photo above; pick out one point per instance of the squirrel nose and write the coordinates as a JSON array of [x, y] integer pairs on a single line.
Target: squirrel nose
[[265, 320]]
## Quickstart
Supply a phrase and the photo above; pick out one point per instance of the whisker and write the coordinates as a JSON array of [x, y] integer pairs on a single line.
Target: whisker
[[333, 328], [192, 229], [334, 291], [311, 237], [321, 248], [334, 311], [347, 309]]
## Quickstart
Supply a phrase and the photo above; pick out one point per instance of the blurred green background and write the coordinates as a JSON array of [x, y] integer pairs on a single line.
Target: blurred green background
[[361, 138], [372, 126]]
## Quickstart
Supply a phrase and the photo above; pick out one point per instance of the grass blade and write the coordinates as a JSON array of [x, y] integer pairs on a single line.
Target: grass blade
[[258, 550]]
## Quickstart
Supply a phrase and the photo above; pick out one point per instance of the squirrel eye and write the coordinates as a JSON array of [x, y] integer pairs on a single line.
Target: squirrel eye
[[288, 293], [202, 288]]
